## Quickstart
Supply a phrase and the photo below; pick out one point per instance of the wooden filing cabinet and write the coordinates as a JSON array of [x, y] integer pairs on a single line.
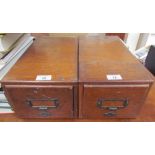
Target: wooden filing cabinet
[[79, 87], [55, 98], [102, 97]]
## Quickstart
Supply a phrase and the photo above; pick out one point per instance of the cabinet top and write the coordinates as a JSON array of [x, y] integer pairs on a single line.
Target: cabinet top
[[47, 56], [102, 56]]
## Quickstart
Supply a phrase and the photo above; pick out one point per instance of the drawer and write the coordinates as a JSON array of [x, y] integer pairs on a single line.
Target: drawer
[[122, 101], [33, 101]]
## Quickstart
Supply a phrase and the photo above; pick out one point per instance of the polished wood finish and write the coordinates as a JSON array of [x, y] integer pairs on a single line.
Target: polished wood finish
[[133, 94], [99, 57], [31, 101], [147, 114], [47, 56]]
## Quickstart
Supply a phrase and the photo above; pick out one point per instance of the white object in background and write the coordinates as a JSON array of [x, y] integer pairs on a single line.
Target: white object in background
[[7, 40], [6, 110], [4, 68], [2, 97], [18, 47], [142, 53], [4, 105], [132, 41]]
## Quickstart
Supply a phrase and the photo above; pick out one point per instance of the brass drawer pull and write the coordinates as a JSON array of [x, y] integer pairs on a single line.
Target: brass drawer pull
[[33, 103], [101, 104]]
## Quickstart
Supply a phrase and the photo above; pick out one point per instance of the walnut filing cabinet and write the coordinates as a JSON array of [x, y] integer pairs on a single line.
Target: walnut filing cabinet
[[56, 98], [79, 87], [101, 97]]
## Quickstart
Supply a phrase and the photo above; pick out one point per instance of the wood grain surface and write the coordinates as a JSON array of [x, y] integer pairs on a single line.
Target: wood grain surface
[[47, 56], [147, 114], [92, 70], [55, 98], [100, 97], [100, 56]]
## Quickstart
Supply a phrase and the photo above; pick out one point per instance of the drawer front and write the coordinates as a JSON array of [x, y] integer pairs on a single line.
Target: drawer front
[[41, 101], [122, 101]]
